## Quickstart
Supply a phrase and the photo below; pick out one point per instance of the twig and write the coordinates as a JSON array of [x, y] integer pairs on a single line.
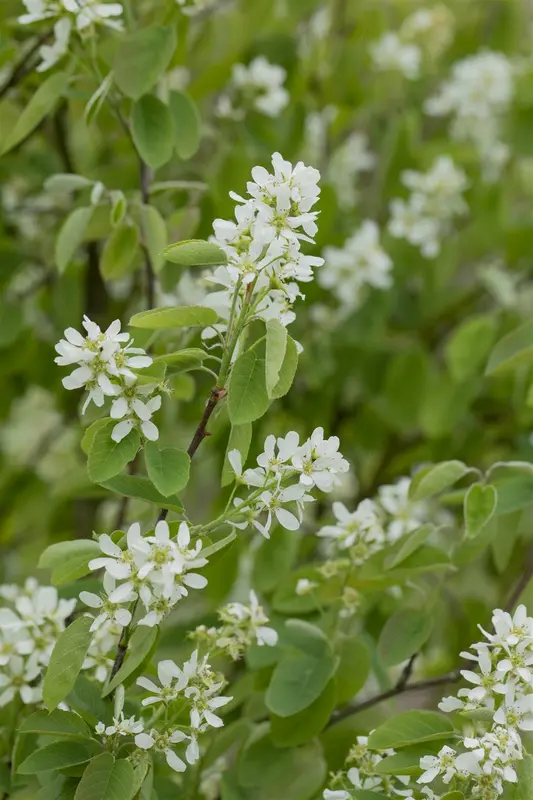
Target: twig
[[23, 65], [149, 268], [400, 688], [201, 431], [526, 576]]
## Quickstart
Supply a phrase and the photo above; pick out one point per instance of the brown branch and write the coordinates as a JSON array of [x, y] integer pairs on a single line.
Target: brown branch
[[400, 688], [201, 431], [149, 268], [24, 65], [526, 576]]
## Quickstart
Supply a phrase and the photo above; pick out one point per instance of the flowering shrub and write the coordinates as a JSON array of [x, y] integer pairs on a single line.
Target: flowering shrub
[[301, 232]]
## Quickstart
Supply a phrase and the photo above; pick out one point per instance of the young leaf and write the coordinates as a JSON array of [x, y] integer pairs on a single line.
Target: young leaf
[[172, 317], [185, 124], [141, 58], [168, 469], [71, 236], [142, 489], [90, 432], [403, 635], [195, 253], [41, 104], [354, 668], [68, 560], [304, 726], [106, 457], [276, 345], [247, 394], [62, 724], [239, 439], [154, 231], [151, 130], [139, 648], [66, 182], [183, 360], [287, 371], [119, 251], [106, 779], [469, 346], [435, 478], [410, 727], [408, 545], [58, 755], [479, 507], [66, 661], [514, 349]]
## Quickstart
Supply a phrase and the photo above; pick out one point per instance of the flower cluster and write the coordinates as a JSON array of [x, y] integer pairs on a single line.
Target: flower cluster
[[501, 691], [426, 32], [260, 86], [241, 627], [286, 472], [361, 775], [435, 199], [194, 684], [347, 161], [155, 570], [83, 15], [477, 95], [106, 363], [265, 262], [359, 263], [31, 621]]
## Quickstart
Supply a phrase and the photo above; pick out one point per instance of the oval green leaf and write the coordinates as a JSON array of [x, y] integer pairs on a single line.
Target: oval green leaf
[[66, 661], [174, 317]]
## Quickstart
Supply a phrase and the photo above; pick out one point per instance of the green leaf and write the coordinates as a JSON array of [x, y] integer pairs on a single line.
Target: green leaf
[[71, 236], [247, 395], [276, 345], [66, 661], [106, 457], [90, 433], [141, 58], [195, 253], [119, 251], [68, 560], [514, 349], [410, 727], [408, 545], [171, 317], [354, 668], [106, 779], [41, 104], [290, 773], [139, 648], [239, 439], [304, 726], [154, 230], [142, 489], [479, 507], [168, 469], [524, 773], [183, 360], [469, 345], [433, 479], [185, 124], [407, 761], [86, 699], [460, 796], [403, 635], [151, 130], [58, 755], [302, 675], [59, 723], [66, 182], [287, 371]]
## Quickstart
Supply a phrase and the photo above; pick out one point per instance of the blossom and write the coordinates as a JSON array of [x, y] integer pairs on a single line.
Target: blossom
[[109, 604], [242, 626], [360, 531], [444, 764], [360, 262], [171, 680], [436, 198], [121, 726], [163, 742], [17, 678], [347, 161], [52, 53], [402, 514], [318, 461], [390, 53], [259, 85]]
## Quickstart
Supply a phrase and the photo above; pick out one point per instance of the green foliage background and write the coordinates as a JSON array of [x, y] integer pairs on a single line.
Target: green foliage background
[[402, 381]]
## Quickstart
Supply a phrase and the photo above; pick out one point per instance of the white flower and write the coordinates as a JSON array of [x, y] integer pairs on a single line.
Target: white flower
[[259, 84], [359, 531], [120, 563], [17, 677], [171, 680], [163, 742], [360, 262], [516, 712], [318, 461], [272, 502], [441, 764], [305, 586], [348, 160], [252, 617], [94, 12], [390, 53], [137, 413], [403, 514], [121, 726], [109, 605], [204, 707], [51, 54]]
